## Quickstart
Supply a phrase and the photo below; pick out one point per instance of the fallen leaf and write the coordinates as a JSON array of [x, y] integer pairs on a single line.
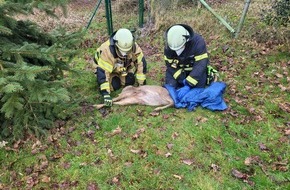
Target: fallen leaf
[[201, 119], [110, 153], [71, 129], [252, 160], [115, 180], [158, 152], [92, 186], [138, 132], [177, 176], [17, 144], [188, 161], [239, 174], [135, 151], [174, 135], [3, 144], [263, 147], [83, 164], [215, 167], [135, 136], [287, 131], [285, 107], [45, 179], [34, 151], [169, 146], [90, 133], [214, 37], [166, 116], [157, 171], [56, 156], [168, 154], [128, 164], [36, 144], [116, 131], [28, 170], [279, 75], [225, 48], [66, 165], [283, 88], [155, 113]]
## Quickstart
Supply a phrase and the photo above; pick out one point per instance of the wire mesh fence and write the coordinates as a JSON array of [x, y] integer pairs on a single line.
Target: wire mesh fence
[[82, 13]]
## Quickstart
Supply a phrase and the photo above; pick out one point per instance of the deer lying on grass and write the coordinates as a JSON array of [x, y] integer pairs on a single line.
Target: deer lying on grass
[[150, 95]]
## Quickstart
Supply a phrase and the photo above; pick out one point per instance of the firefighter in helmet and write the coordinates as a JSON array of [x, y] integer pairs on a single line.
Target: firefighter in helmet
[[187, 61], [120, 62]]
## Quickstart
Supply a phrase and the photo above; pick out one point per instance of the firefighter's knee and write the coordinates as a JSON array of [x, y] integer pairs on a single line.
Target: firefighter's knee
[[116, 83], [130, 79]]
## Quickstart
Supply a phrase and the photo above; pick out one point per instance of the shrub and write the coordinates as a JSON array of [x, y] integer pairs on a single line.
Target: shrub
[[33, 92], [279, 13]]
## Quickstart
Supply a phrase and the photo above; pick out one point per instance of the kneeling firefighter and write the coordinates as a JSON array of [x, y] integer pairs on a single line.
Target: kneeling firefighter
[[120, 62], [186, 59]]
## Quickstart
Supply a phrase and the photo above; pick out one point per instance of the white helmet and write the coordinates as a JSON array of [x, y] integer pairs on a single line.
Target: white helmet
[[124, 39], [176, 37]]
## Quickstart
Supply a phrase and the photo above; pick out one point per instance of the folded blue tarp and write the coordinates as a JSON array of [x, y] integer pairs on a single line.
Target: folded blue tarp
[[210, 97]]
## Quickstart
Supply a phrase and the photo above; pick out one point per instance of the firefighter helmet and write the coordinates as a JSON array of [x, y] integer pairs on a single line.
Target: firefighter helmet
[[124, 39], [177, 37]]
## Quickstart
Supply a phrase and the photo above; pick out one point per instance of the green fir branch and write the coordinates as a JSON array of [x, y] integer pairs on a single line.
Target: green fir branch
[[11, 105], [11, 88], [5, 31]]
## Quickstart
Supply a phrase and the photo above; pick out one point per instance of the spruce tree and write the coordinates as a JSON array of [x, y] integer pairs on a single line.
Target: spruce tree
[[33, 91]]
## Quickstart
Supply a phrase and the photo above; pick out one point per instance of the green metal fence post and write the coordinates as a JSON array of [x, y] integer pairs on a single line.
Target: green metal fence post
[[218, 17], [93, 15], [246, 8], [141, 13], [109, 16]]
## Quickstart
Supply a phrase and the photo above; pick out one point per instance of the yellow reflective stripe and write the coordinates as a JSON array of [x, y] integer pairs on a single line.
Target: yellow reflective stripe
[[177, 73], [171, 60], [191, 80], [105, 86], [139, 58], [188, 69], [200, 57], [105, 65], [107, 42], [141, 77], [166, 59]]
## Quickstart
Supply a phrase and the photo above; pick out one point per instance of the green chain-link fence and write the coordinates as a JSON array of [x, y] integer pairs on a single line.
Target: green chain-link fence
[[149, 10], [142, 13]]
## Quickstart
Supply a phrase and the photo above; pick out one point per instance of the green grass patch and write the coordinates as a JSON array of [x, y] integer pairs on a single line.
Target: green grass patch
[[132, 147]]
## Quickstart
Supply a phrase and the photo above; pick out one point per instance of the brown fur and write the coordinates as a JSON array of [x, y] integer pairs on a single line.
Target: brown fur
[[150, 95]]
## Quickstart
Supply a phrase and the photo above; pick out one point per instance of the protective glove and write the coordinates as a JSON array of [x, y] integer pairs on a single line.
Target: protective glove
[[212, 75], [108, 100], [123, 72], [119, 68], [184, 90], [141, 82]]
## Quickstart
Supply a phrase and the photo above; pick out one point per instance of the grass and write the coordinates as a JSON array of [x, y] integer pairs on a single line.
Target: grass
[[172, 149]]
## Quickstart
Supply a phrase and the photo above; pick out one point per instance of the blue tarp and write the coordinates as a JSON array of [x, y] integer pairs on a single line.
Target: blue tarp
[[210, 97]]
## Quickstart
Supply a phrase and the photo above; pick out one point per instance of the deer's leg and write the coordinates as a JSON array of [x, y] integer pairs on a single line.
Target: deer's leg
[[163, 107], [99, 106]]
